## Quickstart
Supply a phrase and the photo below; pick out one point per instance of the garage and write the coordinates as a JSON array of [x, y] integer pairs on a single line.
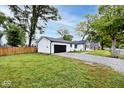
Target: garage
[[59, 48]]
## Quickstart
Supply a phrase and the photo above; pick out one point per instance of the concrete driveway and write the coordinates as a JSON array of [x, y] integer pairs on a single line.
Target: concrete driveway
[[116, 64]]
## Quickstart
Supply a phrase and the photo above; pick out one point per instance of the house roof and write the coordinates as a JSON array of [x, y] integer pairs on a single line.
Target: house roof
[[60, 40], [79, 42]]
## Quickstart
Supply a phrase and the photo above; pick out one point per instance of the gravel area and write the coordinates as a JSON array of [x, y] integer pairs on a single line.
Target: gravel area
[[114, 63]]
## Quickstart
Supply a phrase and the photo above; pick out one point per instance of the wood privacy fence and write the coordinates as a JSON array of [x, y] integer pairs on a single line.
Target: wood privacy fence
[[16, 50]]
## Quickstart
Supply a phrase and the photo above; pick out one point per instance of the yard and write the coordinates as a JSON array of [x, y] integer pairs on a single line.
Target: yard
[[104, 53], [39, 70]]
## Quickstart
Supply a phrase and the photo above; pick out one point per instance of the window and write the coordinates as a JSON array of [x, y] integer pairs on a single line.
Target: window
[[75, 45], [70, 45]]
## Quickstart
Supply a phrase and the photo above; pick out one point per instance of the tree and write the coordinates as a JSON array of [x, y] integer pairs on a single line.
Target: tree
[[68, 37], [110, 21], [3, 18], [15, 35], [62, 31], [96, 36], [34, 17], [83, 28]]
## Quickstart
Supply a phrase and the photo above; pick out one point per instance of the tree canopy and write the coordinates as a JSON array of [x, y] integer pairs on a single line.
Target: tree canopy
[[110, 22], [84, 28], [34, 17], [15, 35], [68, 37]]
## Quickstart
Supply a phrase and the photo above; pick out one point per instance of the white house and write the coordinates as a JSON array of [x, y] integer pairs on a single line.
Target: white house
[[56, 45]]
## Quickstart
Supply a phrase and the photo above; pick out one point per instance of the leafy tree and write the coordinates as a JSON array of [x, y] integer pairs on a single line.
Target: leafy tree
[[95, 36], [34, 17], [15, 35], [3, 18], [86, 31], [83, 28], [68, 37], [121, 46], [110, 21]]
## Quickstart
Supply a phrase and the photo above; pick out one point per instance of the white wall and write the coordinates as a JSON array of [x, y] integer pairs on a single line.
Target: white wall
[[72, 48], [80, 47], [44, 46]]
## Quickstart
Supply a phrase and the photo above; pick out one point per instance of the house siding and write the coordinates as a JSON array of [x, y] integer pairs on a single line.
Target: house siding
[[44, 46], [80, 47]]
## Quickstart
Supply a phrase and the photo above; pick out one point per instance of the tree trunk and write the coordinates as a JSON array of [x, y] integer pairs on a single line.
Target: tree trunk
[[1, 40], [102, 45], [34, 20], [113, 48], [30, 40]]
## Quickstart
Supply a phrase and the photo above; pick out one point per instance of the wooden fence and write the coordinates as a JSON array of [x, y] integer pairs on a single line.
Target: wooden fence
[[16, 50]]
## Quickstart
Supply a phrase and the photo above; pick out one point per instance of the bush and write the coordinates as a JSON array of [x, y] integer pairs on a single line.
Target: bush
[[121, 46]]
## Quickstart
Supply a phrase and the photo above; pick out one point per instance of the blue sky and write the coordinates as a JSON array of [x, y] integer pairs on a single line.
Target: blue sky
[[71, 16]]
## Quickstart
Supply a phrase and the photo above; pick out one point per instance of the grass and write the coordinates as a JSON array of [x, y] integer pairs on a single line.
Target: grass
[[104, 53], [76, 51], [39, 70]]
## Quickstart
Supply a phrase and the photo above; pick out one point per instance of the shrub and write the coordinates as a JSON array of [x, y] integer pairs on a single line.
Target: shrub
[[121, 46]]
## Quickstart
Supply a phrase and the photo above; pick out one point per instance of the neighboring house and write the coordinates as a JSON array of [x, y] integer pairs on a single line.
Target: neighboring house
[[56, 45], [3, 41], [95, 45]]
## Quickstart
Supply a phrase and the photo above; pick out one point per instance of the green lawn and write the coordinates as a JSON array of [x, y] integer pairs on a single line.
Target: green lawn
[[104, 53], [38, 70]]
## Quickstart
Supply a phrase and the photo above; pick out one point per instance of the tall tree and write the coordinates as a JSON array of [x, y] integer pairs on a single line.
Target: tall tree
[[34, 17], [83, 28], [111, 22]]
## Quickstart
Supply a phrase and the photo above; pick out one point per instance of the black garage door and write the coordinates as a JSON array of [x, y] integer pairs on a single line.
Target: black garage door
[[59, 48]]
